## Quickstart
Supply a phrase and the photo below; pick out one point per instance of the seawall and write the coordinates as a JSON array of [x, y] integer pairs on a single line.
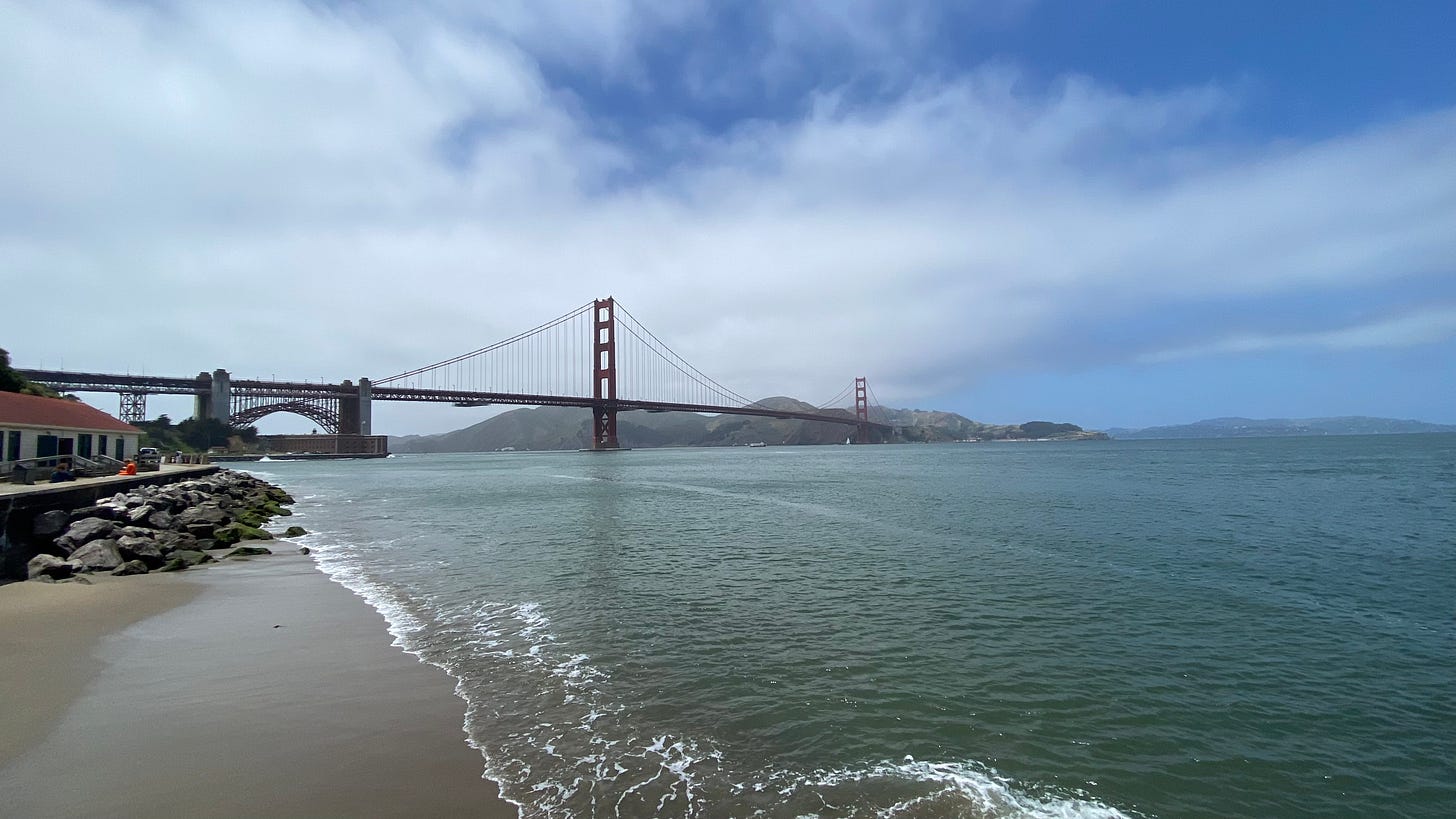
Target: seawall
[[21, 505]]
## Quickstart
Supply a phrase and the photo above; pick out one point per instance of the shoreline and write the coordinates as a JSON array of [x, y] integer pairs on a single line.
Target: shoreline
[[250, 687]]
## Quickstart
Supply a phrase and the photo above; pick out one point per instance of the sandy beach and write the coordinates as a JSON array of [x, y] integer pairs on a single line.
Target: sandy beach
[[251, 688]]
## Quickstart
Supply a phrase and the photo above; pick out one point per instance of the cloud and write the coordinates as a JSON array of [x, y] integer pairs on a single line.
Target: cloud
[[1415, 329], [313, 190]]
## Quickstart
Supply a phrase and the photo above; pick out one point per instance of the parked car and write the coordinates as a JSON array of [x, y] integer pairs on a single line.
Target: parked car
[[148, 459]]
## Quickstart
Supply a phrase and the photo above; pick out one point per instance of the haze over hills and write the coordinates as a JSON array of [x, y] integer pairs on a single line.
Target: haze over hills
[[1282, 427], [550, 428]]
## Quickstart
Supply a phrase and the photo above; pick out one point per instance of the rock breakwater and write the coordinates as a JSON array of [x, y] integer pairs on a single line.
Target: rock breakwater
[[158, 528]]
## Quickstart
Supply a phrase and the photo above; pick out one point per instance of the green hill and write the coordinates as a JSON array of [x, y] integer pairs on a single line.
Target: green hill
[[557, 428]]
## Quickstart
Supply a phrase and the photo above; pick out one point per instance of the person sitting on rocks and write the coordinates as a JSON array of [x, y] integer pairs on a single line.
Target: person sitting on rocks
[[62, 473]]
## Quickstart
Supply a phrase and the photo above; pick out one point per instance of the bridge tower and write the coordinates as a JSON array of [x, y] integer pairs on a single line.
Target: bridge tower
[[861, 411], [604, 374]]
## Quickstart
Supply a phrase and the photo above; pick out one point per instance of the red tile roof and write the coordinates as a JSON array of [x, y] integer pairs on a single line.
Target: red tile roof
[[35, 410]]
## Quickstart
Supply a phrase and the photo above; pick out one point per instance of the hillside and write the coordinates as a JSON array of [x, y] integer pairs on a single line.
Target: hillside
[[1282, 427], [556, 428]]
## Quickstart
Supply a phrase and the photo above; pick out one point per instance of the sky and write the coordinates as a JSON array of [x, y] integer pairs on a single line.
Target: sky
[[1104, 213]]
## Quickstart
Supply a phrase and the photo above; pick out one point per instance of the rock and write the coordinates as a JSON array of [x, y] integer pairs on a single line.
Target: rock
[[248, 517], [209, 513], [43, 578], [175, 564], [48, 567], [98, 555], [295, 531], [172, 541], [49, 524], [85, 531], [160, 519], [249, 551], [199, 530], [237, 532], [144, 549], [105, 511], [130, 567], [140, 514], [76, 579], [191, 557], [304, 550]]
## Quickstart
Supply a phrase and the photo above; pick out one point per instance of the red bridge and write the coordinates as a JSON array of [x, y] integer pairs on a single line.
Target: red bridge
[[596, 356]]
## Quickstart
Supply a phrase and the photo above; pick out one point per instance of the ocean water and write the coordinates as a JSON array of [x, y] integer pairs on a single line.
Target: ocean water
[[1096, 629]]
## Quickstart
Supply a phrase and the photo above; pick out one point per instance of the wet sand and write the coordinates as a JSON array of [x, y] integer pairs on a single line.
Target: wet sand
[[259, 688]]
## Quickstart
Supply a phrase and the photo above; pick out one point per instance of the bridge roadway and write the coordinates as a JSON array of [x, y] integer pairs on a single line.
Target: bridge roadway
[[202, 386]]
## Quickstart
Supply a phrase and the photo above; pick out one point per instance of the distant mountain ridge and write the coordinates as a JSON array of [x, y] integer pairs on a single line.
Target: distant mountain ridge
[[555, 428], [1281, 427]]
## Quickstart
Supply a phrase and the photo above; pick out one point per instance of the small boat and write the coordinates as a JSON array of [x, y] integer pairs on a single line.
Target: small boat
[[758, 443]]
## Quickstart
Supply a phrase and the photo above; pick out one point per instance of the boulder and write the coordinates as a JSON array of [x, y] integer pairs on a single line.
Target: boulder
[[172, 541], [100, 510], [173, 564], [49, 524], [98, 556], [304, 550], [48, 567], [199, 530], [138, 516], [144, 549], [160, 519], [209, 513], [295, 531], [76, 579], [130, 567], [191, 557], [249, 551], [248, 517], [237, 532], [84, 531]]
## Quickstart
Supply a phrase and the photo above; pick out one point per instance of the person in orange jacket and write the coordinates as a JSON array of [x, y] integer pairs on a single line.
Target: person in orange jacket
[[129, 469]]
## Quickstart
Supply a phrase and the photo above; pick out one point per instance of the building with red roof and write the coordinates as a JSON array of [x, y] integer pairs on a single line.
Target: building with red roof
[[34, 427]]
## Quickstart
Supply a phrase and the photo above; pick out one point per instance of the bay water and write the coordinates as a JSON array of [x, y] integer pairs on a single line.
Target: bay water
[[1097, 629]]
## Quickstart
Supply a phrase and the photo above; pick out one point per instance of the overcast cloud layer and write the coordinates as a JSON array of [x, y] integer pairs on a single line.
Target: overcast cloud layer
[[317, 190]]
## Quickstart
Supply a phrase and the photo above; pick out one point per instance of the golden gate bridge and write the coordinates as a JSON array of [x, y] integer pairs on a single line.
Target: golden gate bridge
[[597, 356]]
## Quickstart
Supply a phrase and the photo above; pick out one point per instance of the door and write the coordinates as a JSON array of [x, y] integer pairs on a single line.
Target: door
[[46, 446], [83, 445], [121, 449]]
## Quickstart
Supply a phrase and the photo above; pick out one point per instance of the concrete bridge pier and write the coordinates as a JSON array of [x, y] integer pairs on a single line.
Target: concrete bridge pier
[[348, 409], [214, 396], [355, 409], [222, 395], [366, 410]]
